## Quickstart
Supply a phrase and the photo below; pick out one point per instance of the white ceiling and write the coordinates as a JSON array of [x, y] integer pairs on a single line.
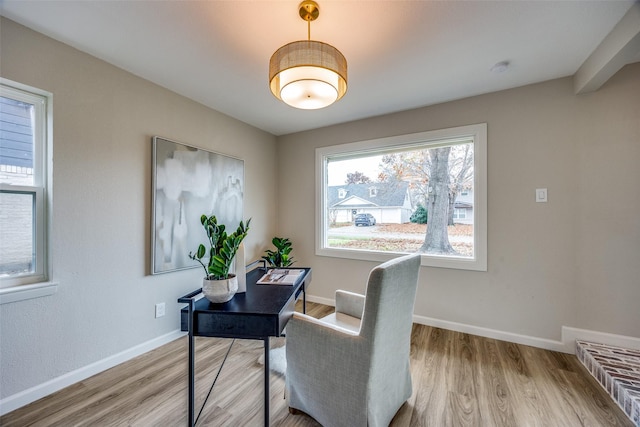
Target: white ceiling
[[401, 54]]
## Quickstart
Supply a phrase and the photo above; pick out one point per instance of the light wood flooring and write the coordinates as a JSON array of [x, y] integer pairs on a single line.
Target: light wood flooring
[[459, 380]]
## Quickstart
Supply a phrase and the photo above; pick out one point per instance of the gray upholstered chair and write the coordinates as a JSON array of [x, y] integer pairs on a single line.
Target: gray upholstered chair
[[351, 368]]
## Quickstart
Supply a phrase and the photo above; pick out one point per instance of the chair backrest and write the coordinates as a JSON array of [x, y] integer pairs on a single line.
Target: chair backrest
[[390, 296], [388, 312]]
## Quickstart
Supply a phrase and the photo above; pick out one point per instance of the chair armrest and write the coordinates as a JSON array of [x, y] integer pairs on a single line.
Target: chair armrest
[[350, 303], [313, 323]]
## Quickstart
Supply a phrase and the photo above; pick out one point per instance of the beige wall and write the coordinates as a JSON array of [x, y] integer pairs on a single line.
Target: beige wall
[[574, 261], [104, 119]]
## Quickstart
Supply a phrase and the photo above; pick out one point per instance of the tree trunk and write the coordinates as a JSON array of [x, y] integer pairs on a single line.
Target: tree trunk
[[452, 200], [436, 240]]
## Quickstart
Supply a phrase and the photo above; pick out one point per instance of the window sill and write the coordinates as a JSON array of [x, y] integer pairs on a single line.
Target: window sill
[[477, 264], [25, 292]]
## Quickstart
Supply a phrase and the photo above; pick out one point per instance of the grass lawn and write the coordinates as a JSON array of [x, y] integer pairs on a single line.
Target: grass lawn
[[410, 238]]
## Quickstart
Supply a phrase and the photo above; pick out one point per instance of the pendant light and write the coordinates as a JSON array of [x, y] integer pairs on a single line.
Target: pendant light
[[308, 74]]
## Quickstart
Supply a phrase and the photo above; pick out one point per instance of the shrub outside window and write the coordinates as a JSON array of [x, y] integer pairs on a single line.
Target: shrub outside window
[[429, 197]]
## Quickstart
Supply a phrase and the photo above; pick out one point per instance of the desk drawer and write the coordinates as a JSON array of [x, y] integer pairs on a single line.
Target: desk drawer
[[224, 325], [230, 326]]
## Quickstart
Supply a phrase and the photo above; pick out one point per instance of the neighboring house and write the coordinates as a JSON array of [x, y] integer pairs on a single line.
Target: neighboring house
[[16, 142], [463, 208], [388, 202]]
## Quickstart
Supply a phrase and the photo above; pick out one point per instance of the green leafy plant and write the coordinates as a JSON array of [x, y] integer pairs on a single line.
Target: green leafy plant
[[280, 257], [222, 247]]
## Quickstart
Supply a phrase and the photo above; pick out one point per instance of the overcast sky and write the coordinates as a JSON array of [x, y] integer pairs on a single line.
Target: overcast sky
[[337, 170]]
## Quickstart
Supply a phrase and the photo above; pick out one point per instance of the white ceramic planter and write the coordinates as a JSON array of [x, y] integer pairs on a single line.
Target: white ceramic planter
[[218, 291]]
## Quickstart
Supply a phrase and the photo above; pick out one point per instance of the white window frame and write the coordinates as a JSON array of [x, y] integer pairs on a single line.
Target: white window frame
[[476, 132], [36, 283]]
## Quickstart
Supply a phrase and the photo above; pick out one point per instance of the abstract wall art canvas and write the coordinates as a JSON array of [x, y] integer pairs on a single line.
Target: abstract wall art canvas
[[188, 182]]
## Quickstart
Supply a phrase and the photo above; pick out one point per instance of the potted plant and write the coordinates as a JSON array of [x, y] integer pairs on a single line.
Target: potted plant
[[280, 257], [218, 284]]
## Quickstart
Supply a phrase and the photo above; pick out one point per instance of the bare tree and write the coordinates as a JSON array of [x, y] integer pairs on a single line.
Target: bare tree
[[460, 172], [333, 216], [436, 240], [357, 178], [424, 170], [411, 166]]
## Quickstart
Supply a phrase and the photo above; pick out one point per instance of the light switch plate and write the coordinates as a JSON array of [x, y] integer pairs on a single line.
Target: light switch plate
[[541, 195]]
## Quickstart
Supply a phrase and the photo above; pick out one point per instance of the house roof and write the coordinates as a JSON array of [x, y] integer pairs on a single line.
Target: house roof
[[386, 194], [463, 205]]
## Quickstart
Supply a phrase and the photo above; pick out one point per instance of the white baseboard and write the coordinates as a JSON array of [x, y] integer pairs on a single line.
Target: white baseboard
[[320, 300], [493, 333], [25, 397], [566, 345], [570, 335]]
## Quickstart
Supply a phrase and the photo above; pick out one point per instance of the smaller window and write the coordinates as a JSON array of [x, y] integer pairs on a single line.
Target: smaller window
[[373, 191], [459, 213], [24, 185], [342, 193]]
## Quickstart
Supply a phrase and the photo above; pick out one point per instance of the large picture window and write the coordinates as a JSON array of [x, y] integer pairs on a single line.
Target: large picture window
[[423, 192], [23, 186]]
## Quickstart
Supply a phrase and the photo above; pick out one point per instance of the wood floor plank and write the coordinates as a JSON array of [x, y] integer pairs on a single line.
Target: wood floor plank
[[417, 360], [589, 400], [458, 380], [462, 398], [495, 405], [529, 404], [550, 384], [429, 409]]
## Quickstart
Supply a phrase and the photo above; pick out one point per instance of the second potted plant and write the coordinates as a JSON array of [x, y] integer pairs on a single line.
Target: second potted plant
[[280, 257], [218, 284]]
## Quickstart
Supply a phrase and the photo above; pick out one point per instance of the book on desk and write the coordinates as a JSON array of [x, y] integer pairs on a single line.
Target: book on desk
[[280, 276]]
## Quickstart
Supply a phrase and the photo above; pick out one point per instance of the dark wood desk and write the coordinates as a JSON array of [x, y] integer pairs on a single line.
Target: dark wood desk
[[260, 313]]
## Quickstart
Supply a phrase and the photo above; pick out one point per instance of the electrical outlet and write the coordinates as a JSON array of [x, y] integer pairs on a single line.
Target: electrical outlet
[[159, 310]]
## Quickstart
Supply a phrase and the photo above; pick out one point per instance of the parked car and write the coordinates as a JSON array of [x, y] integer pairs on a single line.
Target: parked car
[[365, 219]]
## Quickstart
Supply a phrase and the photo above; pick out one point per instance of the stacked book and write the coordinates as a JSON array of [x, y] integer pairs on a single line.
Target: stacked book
[[280, 276]]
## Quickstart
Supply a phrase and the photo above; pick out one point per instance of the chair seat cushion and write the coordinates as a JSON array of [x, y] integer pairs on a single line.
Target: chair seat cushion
[[343, 321]]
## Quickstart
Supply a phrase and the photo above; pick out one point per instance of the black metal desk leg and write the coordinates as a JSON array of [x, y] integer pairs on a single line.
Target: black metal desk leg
[[266, 381], [192, 380]]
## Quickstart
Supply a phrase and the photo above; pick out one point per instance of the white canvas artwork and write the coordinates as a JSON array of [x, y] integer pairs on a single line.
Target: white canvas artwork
[[187, 183]]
